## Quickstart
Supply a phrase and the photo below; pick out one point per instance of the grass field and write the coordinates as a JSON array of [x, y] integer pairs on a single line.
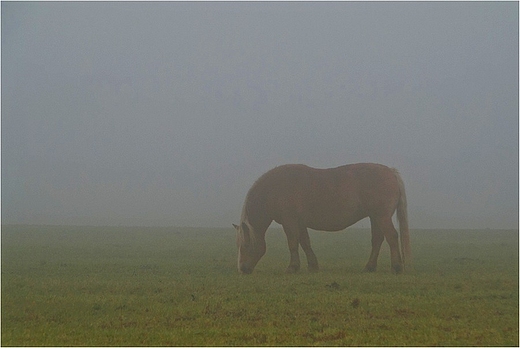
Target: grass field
[[117, 286]]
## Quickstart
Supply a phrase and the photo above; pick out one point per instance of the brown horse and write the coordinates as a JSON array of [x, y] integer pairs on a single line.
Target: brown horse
[[300, 197]]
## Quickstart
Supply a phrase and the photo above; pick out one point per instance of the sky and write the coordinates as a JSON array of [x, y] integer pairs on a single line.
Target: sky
[[158, 114]]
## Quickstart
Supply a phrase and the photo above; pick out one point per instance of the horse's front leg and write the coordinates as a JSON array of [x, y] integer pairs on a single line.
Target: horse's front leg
[[293, 240]]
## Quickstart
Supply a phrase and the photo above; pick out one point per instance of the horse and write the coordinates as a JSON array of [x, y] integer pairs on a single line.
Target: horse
[[299, 197]]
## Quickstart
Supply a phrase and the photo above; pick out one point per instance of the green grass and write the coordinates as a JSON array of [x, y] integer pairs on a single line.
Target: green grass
[[116, 286]]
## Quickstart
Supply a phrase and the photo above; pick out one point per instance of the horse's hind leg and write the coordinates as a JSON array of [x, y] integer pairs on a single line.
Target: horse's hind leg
[[393, 241], [377, 239], [305, 242]]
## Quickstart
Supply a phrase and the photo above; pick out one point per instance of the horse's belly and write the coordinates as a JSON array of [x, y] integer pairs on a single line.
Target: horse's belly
[[332, 221]]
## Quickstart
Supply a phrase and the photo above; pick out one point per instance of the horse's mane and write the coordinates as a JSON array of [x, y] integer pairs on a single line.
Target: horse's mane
[[250, 200]]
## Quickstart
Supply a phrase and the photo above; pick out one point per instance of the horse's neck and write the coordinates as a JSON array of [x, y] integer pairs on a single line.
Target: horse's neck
[[257, 217]]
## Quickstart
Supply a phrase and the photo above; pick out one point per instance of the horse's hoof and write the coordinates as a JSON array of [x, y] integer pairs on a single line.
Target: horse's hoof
[[314, 269], [369, 269], [292, 269], [398, 269]]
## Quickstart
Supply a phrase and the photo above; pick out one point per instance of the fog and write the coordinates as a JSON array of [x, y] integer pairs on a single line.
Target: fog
[[166, 113]]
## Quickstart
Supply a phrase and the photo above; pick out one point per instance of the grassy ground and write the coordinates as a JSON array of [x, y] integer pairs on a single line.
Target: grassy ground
[[179, 286]]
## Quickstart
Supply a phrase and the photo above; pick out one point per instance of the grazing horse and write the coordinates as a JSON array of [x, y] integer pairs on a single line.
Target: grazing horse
[[300, 197]]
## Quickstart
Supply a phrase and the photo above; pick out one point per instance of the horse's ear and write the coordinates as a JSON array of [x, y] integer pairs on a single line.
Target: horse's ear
[[235, 226]]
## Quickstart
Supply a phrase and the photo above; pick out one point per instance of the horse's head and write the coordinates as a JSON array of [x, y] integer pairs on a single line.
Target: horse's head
[[251, 247]]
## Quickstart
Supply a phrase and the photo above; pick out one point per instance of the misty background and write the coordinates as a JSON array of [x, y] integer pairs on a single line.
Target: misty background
[[166, 113]]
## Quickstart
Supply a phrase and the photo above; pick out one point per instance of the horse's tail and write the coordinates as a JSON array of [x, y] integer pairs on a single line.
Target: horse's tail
[[402, 217]]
